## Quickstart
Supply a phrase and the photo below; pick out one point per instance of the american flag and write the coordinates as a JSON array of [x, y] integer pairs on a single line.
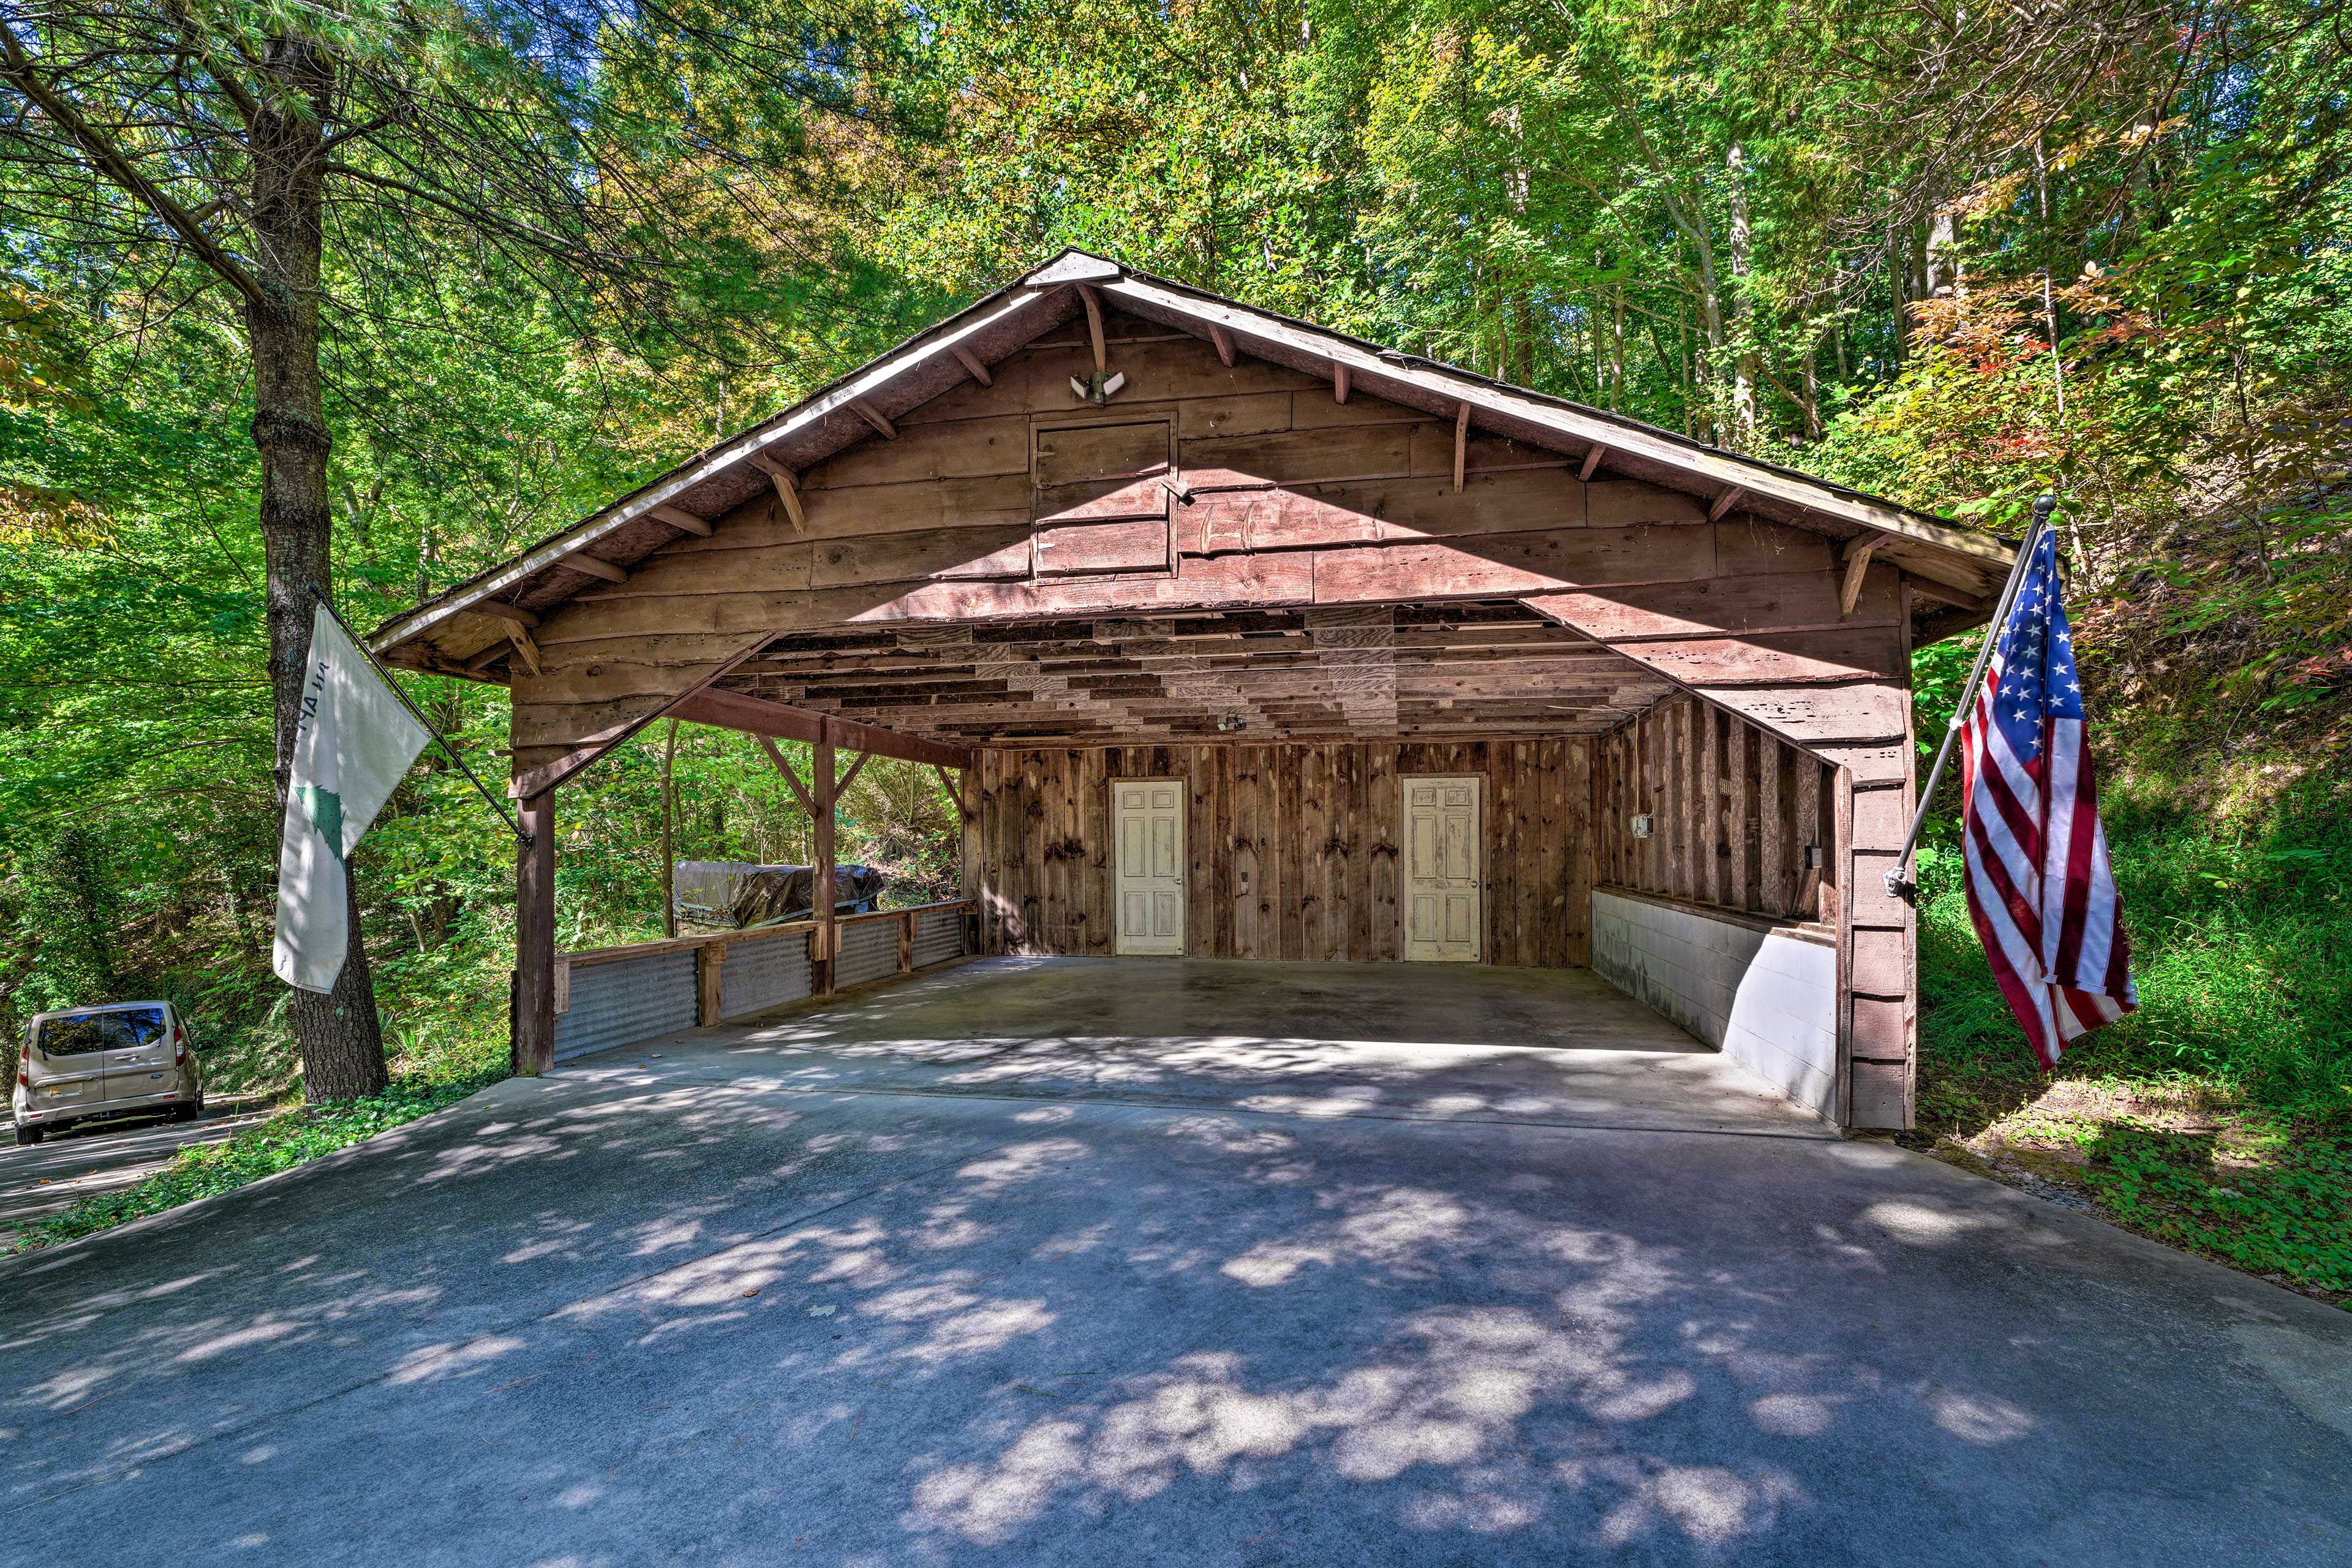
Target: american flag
[[2038, 886]]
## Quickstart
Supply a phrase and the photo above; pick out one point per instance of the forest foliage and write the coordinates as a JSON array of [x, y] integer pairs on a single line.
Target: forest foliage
[[1952, 255]]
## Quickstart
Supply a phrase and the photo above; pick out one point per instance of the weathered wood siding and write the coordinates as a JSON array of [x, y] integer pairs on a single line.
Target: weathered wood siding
[[1732, 811], [1293, 849]]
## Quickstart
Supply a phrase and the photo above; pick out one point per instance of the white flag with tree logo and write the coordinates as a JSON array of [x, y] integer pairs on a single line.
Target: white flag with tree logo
[[354, 740]]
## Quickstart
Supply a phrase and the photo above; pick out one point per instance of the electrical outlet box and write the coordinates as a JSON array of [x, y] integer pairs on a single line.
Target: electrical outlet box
[[1642, 825], [1814, 860]]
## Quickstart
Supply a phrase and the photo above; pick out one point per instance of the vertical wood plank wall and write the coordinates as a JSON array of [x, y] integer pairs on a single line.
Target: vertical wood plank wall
[[1294, 850], [1732, 809]]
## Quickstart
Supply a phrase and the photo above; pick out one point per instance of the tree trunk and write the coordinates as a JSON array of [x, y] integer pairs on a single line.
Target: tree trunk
[[1743, 307], [341, 1042]]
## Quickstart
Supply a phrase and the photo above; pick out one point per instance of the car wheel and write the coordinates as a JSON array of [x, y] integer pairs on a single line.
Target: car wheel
[[188, 1109], [27, 1136]]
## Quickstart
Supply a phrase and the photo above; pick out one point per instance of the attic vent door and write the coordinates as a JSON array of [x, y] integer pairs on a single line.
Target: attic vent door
[[1102, 495]]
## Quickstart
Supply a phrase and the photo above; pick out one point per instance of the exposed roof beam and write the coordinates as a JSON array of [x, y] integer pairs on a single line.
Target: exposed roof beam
[[679, 517], [788, 488], [494, 610], [1593, 457], [592, 567], [1461, 444], [876, 417], [1225, 342], [1724, 502], [1858, 551], [972, 367], [757, 716], [1093, 302], [1339, 384]]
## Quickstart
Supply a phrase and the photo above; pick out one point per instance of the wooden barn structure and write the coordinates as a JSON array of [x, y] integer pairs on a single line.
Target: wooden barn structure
[[1235, 636]]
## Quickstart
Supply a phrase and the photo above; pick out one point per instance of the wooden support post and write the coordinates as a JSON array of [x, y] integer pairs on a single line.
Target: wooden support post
[[1724, 503], [1225, 342], [532, 1022], [788, 490], [907, 943], [1593, 455], [1461, 444], [1093, 302], [1339, 384], [709, 983], [972, 367], [679, 518], [828, 921], [876, 417]]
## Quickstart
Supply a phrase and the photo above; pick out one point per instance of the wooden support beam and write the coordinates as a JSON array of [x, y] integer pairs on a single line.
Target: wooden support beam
[[1858, 552], [841, 787], [1724, 503], [489, 656], [491, 609], [679, 517], [757, 716], [1093, 302], [874, 416], [792, 776], [972, 367], [1225, 342], [1339, 384], [1593, 455], [531, 1031], [788, 488], [820, 887], [1461, 444], [525, 646], [589, 566]]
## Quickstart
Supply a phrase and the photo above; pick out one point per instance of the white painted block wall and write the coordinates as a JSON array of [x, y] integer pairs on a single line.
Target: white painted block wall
[[1766, 999]]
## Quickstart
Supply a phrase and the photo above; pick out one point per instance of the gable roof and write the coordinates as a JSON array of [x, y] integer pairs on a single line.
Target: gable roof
[[1966, 569]]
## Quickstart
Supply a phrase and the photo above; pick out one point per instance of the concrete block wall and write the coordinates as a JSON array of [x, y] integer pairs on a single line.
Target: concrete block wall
[[1763, 993]]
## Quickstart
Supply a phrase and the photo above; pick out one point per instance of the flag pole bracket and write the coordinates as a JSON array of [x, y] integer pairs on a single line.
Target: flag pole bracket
[[1899, 886]]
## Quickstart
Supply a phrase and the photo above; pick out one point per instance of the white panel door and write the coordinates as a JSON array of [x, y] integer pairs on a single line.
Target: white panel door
[[1148, 825], [1443, 905]]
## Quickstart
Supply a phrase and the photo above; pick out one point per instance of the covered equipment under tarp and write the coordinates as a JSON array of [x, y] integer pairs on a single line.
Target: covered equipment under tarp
[[738, 895]]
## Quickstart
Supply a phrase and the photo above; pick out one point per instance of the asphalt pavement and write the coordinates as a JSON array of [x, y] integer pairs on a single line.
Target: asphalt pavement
[[98, 1157]]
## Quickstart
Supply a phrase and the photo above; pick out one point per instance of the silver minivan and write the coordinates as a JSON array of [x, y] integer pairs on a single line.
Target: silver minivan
[[118, 1060]]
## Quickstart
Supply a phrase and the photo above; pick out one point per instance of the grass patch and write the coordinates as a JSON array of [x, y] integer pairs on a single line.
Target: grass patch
[[277, 1145], [2218, 1118]]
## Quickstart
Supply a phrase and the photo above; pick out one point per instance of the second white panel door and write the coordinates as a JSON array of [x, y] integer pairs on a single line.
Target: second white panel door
[[1443, 905], [1148, 828]]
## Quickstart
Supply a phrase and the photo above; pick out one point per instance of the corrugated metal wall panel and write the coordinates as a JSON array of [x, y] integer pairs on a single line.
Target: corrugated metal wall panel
[[939, 936], [762, 974], [869, 949], [622, 1002]]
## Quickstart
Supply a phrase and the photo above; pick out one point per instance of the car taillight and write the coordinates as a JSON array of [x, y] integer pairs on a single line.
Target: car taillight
[[179, 1046], [25, 1069]]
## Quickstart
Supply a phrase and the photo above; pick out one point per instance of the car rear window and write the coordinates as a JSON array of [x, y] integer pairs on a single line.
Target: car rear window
[[77, 1033]]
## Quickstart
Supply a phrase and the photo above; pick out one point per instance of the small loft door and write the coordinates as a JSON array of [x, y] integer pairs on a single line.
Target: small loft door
[[1148, 825], [1443, 904]]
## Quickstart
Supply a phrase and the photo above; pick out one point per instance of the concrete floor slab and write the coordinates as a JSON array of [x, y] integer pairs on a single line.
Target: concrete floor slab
[[805, 1289]]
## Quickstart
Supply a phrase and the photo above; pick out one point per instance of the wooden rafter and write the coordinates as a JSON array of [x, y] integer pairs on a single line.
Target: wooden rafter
[[494, 610], [1093, 302], [1724, 503], [792, 775], [787, 488], [592, 567], [1461, 444], [1858, 552], [971, 365], [679, 518], [1592, 458], [1224, 340], [876, 417], [1339, 384]]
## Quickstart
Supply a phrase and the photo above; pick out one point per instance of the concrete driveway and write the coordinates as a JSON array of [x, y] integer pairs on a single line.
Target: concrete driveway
[[1060, 1262]]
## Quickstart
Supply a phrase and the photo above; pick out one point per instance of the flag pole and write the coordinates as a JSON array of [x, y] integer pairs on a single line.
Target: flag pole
[[431, 729], [1898, 885]]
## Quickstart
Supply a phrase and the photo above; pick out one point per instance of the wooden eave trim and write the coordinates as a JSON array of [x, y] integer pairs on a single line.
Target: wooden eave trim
[[838, 399], [1715, 471]]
